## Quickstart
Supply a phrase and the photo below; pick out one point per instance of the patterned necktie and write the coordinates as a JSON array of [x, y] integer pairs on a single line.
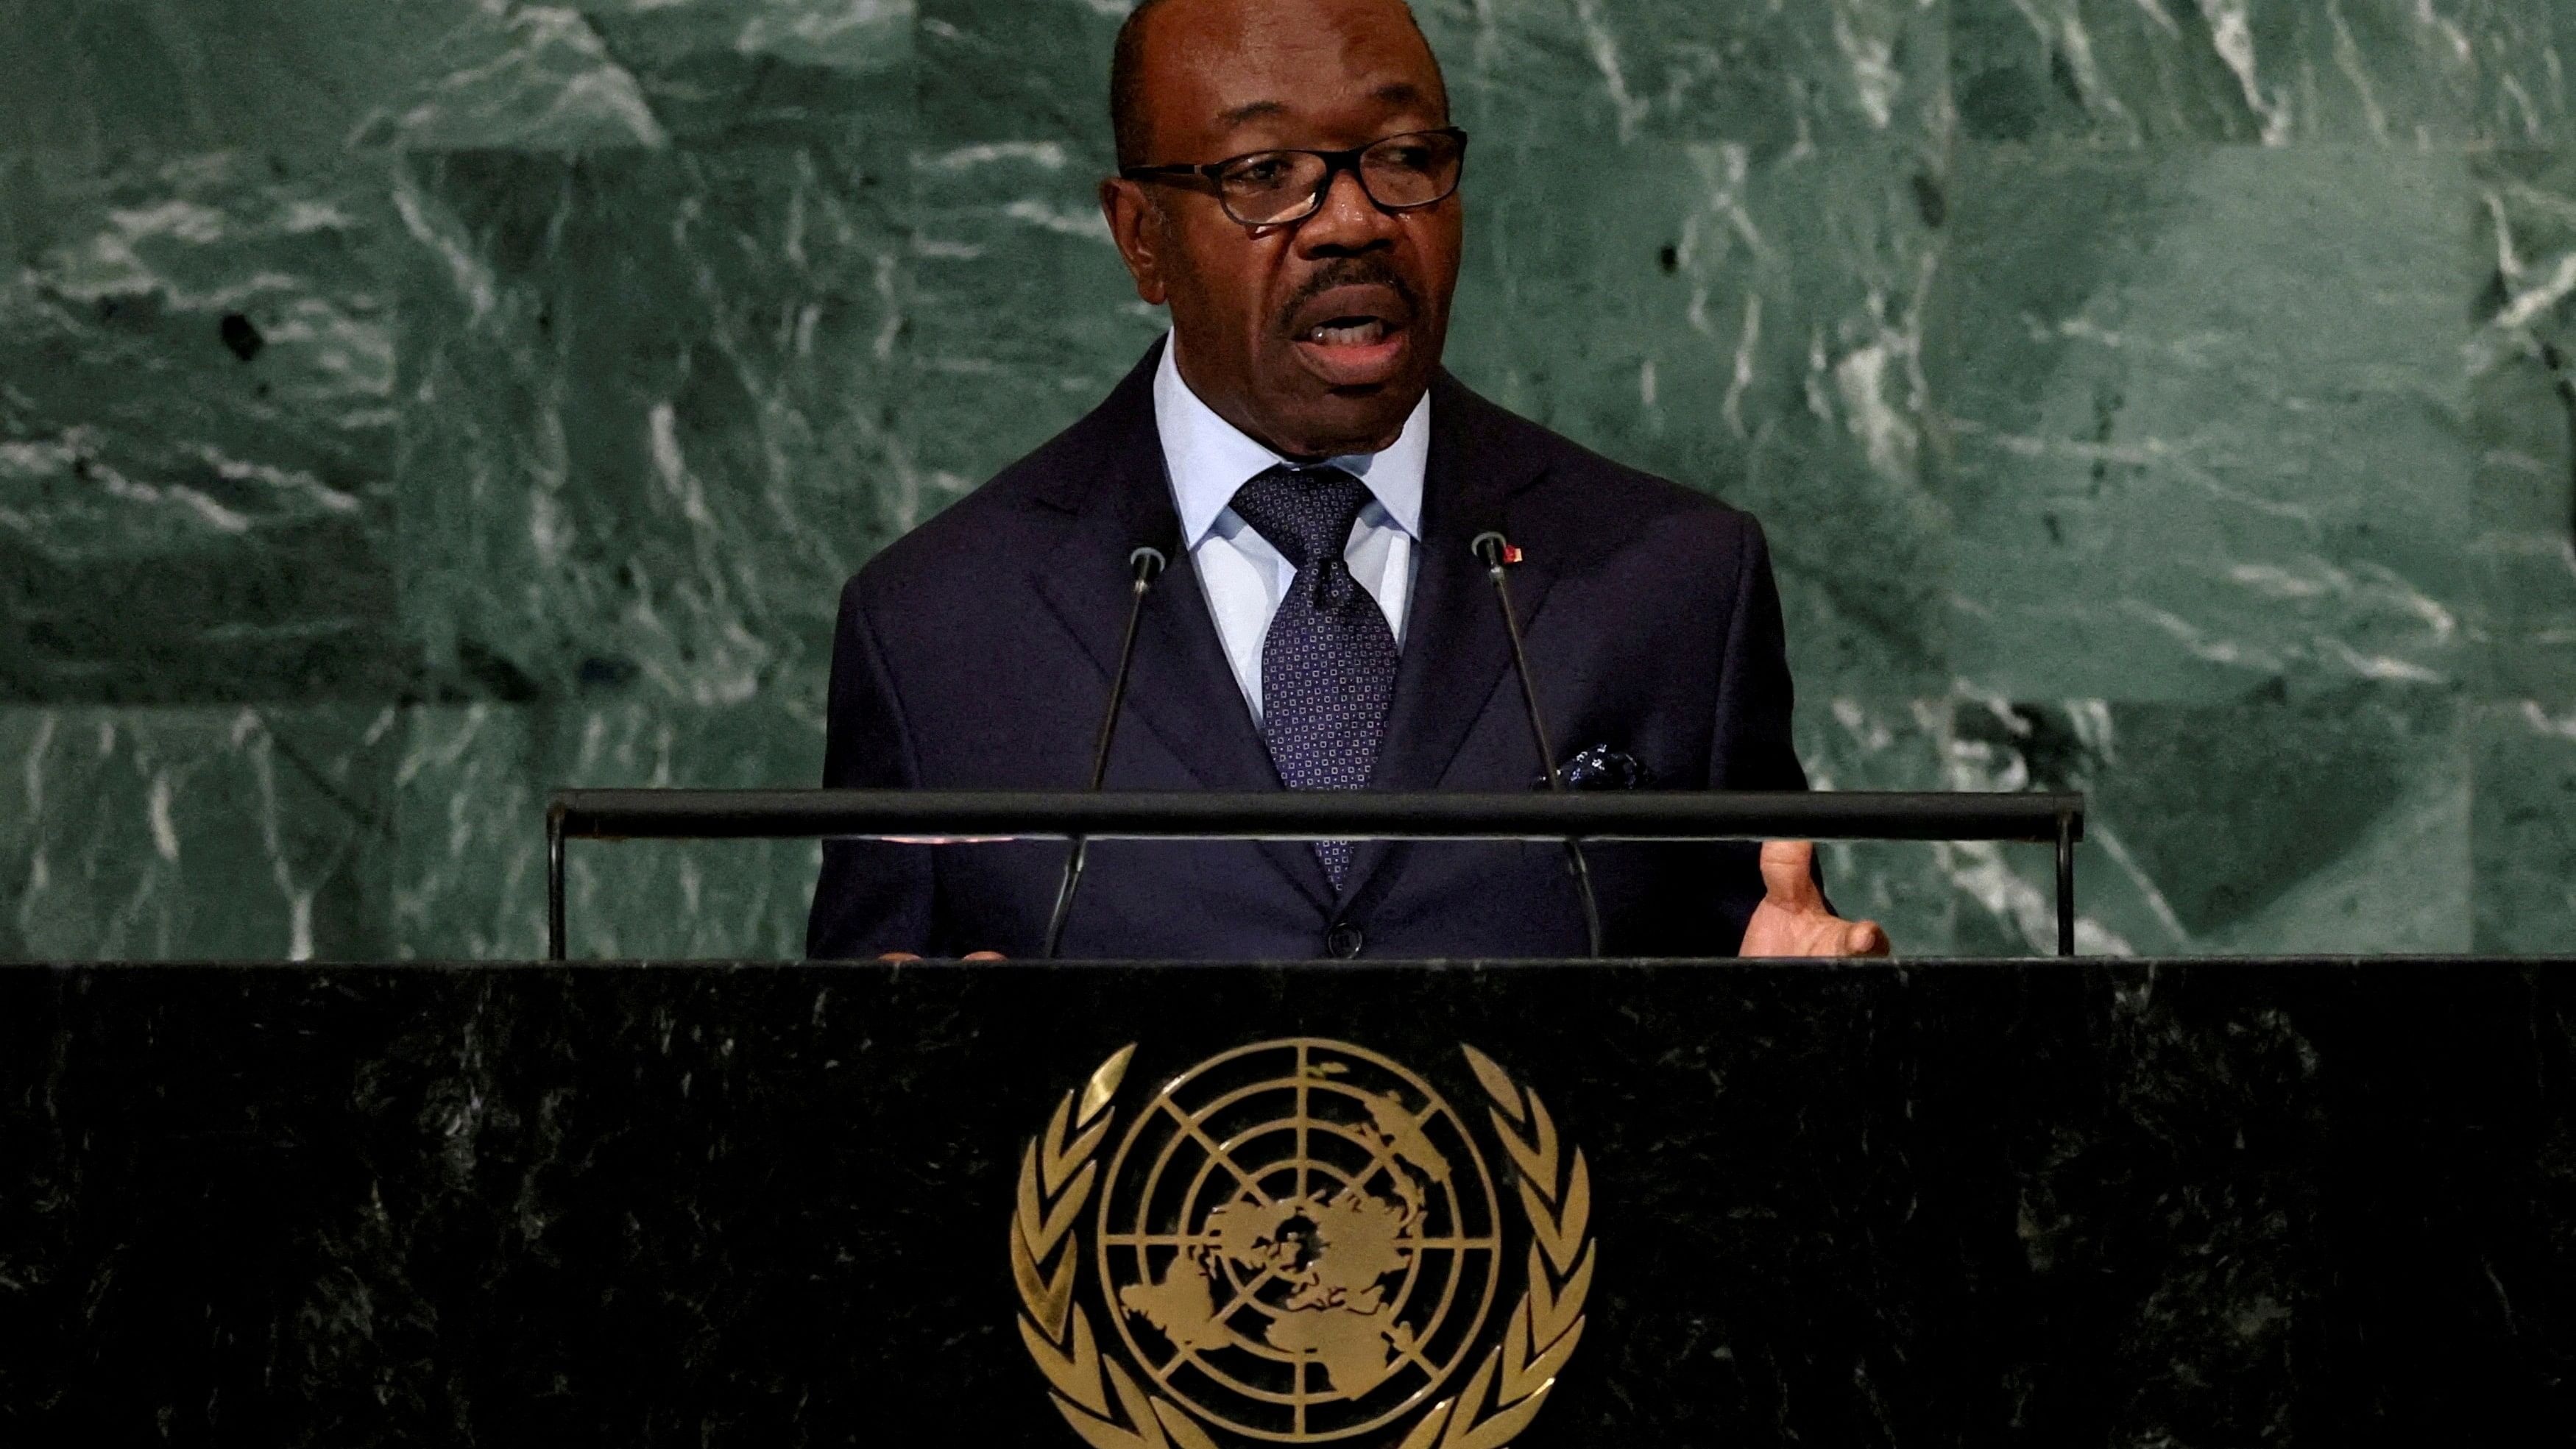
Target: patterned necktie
[[1328, 663]]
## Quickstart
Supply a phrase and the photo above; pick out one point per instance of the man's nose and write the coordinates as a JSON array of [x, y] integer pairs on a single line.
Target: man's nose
[[1347, 220]]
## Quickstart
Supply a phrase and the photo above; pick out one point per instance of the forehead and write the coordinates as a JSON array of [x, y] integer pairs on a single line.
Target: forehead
[[1324, 69]]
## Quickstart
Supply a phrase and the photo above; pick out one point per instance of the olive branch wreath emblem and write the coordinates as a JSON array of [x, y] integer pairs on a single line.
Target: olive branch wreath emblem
[[1058, 1174]]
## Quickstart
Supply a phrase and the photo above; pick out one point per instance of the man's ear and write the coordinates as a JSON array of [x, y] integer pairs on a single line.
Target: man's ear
[[1136, 225]]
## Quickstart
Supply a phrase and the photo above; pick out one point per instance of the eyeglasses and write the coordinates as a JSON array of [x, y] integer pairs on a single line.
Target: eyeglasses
[[1275, 188]]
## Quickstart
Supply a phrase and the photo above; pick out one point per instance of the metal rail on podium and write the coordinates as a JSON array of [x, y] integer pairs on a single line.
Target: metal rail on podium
[[994, 815]]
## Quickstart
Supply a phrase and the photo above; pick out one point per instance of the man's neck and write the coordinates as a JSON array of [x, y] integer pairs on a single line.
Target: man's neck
[[1208, 458]]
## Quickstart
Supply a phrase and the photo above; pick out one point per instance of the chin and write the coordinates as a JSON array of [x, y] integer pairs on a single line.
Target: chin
[[1331, 431], [1348, 420]]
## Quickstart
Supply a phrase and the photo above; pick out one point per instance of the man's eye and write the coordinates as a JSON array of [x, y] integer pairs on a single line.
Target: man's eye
[[1271, 172]]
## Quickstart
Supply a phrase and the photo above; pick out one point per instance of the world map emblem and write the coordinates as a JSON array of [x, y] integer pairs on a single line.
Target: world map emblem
[[1300, 1241]]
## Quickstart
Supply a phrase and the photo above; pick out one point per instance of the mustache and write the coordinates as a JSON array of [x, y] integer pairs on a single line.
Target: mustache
[[1362, 271]]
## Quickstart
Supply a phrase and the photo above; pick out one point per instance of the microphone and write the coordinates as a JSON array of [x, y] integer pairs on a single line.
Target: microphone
[[1497, 554], [1146, 565]]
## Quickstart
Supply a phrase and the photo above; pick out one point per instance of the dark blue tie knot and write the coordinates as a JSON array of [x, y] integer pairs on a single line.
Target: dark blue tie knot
[[1306, 513]]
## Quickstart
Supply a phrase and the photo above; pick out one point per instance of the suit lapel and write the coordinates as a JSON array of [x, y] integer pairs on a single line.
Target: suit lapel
[[1456, 652], [1181, 686]]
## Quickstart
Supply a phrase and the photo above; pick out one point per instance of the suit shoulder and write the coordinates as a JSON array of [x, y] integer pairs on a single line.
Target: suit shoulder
[[1006, 522], [1594, 494], [1010, 520]]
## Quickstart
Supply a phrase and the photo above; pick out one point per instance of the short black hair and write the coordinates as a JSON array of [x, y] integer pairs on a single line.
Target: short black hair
[[1127, 83], [1126, 88]]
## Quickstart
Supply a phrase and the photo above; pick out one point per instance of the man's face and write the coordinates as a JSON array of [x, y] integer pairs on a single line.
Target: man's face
[[1318, 337]]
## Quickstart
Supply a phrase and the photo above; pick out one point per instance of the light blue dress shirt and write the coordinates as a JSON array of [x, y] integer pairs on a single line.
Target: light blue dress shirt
[[1244, 578]]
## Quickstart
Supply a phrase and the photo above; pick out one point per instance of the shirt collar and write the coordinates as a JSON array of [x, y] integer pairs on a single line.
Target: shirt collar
[[1210, 459]]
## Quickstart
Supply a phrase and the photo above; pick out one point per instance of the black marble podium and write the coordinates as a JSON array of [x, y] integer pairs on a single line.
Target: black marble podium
[[2216, 1203]]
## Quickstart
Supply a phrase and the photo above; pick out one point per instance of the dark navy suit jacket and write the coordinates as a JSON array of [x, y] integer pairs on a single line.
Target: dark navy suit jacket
[[976, 653]]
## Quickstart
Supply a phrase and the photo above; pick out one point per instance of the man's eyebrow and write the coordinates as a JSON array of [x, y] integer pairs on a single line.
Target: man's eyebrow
[[1257, 110], [1400, 93]]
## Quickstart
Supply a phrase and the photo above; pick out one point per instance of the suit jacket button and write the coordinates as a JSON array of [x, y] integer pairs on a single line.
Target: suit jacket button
[[1344, 941]]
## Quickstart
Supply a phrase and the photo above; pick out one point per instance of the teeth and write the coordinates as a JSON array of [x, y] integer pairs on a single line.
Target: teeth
[[1364, 334]]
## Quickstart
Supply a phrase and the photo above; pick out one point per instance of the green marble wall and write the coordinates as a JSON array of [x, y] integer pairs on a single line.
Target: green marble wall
[[406, 408]]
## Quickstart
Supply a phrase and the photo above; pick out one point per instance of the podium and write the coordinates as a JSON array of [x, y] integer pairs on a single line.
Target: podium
[[965, 818], [1670, 1204]]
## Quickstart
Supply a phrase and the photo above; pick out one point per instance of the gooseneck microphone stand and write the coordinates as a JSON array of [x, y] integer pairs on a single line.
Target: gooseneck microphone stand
[[1498, 555], [1146, 565]]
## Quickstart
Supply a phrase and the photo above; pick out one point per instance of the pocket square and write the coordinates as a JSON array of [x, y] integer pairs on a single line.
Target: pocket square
[[1599, 767]]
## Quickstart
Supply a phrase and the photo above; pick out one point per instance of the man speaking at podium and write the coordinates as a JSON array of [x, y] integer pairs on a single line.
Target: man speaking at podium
[[1287, 185]]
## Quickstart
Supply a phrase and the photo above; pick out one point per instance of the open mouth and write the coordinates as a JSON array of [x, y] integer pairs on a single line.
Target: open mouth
[[1355, 336], [1349, 332]]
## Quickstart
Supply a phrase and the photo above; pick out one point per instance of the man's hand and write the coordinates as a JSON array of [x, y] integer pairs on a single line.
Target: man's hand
[[1792, 919]]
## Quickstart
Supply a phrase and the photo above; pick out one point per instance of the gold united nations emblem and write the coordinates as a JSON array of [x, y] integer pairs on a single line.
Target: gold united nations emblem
[[1300, 1242]]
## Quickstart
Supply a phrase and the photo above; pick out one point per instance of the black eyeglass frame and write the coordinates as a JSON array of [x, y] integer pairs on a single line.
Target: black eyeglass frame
[[1335, 163]]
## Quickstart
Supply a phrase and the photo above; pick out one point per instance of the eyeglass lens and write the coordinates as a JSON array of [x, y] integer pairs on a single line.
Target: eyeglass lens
[[1269, 188]]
